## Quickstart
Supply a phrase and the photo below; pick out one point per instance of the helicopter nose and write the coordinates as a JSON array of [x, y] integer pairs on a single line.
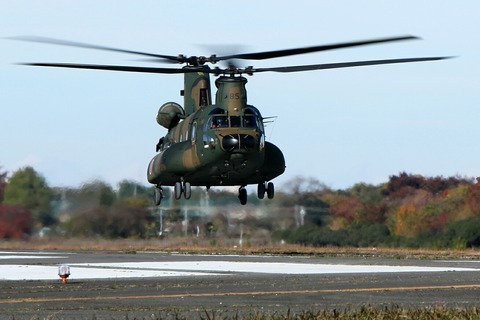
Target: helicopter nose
[[238, 142]]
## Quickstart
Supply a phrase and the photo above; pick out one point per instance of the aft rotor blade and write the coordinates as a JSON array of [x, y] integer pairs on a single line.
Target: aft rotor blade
[[120, 68], [92, 46], [343, 65], [295, 51]]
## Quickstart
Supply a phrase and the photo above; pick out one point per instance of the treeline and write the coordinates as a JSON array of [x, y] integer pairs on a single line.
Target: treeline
[[28, 206], [407, 211]]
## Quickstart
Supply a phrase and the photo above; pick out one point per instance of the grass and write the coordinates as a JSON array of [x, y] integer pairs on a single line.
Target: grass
[[368, 312], [375, 313]]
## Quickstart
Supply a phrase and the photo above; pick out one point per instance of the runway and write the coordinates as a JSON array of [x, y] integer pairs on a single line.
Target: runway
[[106, 285]]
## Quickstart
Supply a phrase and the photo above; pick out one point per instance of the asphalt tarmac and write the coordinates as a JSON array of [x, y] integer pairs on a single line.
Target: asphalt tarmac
[[151, 285]]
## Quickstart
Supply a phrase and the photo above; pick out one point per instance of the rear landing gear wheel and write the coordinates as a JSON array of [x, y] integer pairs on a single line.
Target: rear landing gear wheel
[[242, 195], [267, 188], [270, 190], [158, 196]]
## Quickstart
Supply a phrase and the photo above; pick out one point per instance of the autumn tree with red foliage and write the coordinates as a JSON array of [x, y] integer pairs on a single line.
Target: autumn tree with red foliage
[[405, 184], [15, 222]]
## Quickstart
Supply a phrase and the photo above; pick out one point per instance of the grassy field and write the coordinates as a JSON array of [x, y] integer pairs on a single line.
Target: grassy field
[[368, 313]]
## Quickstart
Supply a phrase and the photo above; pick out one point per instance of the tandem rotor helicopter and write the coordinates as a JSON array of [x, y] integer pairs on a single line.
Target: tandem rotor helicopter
[[217, 142]]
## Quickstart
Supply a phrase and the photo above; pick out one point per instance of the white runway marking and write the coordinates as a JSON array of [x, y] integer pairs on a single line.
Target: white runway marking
[[272, 267], [185, 268], [29, 255], [28, 272]]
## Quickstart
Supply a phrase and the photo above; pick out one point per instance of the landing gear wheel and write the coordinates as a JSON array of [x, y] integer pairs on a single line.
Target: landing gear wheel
[[261, 190], [242, 195], [158, 196], [187, 190], [178, 190], [270, 190]]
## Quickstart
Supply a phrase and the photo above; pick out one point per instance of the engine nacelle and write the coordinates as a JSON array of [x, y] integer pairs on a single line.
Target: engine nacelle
[[170, 114]]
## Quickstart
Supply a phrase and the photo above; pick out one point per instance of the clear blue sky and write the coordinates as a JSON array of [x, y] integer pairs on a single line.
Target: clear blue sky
[[339, 126]]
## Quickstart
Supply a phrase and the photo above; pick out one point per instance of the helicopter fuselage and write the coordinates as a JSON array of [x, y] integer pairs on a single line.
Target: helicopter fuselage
[[211, 149], [221, 144]]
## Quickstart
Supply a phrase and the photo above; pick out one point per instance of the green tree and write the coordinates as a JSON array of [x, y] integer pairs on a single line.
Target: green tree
[[129, 188], [95, 193], [3, 184], [123, 220], [463, 234], [28, 189]]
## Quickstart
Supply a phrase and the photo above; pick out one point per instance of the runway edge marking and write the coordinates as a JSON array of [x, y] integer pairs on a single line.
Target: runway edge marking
[[282, 292]]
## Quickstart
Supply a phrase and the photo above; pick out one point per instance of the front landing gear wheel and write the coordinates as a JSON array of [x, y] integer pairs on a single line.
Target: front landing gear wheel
[[178, 190], [182, 187], [187, 190], [242, 195], [158, 196], [261, 190]]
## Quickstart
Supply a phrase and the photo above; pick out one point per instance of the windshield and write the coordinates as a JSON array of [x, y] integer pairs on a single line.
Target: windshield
[[246, 121]]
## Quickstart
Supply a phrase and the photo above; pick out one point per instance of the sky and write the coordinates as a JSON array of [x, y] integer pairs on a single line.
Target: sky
[[342, 126]]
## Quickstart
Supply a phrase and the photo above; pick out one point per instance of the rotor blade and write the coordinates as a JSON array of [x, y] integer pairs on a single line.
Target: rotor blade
[[344, 64], [92, 46], [289, 52], [121, 68], [248, 70]]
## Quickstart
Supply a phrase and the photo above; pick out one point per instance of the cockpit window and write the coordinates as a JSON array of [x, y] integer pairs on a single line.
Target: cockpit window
[[249, 121], [246, 121], [219, 122], [235, 121]]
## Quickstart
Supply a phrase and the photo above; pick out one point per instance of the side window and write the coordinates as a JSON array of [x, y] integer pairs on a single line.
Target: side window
[[194, 129], [206, 125]]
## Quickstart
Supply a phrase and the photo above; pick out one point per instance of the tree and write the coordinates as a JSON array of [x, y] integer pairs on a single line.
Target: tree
[[129, 188], [28, 189], [3, 184], [96, 193], [15, 222], [123, 220]]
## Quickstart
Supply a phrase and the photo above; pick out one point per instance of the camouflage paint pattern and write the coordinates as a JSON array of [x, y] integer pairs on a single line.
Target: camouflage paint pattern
[[200, 152]]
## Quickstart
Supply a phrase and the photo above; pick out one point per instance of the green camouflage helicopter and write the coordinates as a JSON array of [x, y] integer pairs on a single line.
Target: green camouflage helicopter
[[221, 142]]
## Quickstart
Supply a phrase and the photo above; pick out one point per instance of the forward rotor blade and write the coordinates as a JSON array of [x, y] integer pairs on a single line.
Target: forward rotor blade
[[92, 46], [295, 51], [343, 65], [248, 70], [121, 68]]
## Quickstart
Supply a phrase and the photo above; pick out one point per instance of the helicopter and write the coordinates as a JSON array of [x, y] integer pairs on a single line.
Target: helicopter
[[217, 142]]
